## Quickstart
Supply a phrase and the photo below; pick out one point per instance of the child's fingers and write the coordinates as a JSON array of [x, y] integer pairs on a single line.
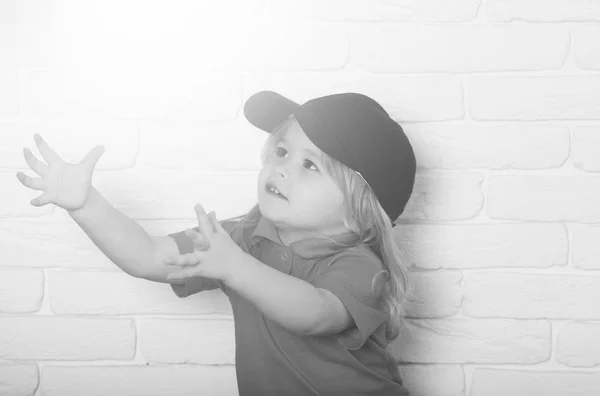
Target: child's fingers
[[47, 153], [203, 222], [199, 240], [91, 158], [183, 274], [42, 200], [36, 165], [184, 260], [212, 216], [33, 183]]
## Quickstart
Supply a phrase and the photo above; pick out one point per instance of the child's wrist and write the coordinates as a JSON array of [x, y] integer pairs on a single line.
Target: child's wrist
[[84, 205], [241, 271]]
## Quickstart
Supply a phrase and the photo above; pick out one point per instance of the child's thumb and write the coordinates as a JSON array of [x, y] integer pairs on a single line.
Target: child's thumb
[[91, 159], [212, 216]]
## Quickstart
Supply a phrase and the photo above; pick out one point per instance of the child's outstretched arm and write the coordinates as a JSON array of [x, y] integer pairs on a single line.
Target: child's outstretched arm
[[121, 239]]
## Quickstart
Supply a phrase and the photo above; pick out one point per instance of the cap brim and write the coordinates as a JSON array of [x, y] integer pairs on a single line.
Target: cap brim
[[267, 109]]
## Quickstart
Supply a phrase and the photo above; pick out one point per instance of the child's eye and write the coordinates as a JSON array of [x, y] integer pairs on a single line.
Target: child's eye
[[280, 152], [308, 164]]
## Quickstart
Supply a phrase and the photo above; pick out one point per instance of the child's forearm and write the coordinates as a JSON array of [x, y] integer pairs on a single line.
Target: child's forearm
[[291, 302], [121, 239]]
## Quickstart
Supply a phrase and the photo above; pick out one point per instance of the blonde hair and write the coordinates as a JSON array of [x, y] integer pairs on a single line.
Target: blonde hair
[[365, 217]]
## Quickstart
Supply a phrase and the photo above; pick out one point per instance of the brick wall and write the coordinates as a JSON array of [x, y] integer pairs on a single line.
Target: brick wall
[[501, 99]]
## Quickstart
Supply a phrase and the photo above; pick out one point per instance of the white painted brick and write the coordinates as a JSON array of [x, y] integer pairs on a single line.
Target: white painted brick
[[584, 150], [460, 48], [578, 345], [195, 341], [464, 146], [405, 98], [543, 10], [534, 98], [484, 246], [168, 194], [66, 338], [289, 47], [585, 250], [18, 379], [433, 380], [78, 15], [434, 294], [459, 340], [81, 15], [332, 10], [489, 382], [9, 92], [116, 293], [186, 34], [159, 380], [21, 290], [544, 198], [244, 46], [369, 10], [531, 295], [136, 93], [15, 198], [445, 196], [219, 146], [586, 46], [72, 139], [58, 242], [220, 44], [431, 10], [25, 28]]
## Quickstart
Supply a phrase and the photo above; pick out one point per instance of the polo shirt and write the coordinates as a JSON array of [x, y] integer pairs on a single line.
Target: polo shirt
[[271, 360]]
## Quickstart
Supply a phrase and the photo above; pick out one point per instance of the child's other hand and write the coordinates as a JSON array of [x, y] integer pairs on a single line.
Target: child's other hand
[[63, 184], [215, 254], [193, 258]]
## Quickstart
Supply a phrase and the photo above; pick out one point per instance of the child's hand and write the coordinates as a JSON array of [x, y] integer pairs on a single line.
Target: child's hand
[[215, 254], [65, 185]]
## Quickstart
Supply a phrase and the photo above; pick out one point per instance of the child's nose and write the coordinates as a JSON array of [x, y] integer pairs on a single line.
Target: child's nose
[[282, 171], [283, 168]]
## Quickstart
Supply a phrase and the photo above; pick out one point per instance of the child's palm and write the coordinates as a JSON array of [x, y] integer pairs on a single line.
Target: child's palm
[[63, 184], [67, 185]]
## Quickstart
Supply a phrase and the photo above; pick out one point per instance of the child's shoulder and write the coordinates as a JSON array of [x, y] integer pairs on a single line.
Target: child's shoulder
[[358, 255], [230, 224], [358, 268]]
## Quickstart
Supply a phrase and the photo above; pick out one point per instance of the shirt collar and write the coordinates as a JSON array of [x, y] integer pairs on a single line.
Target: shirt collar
[[307, 248]]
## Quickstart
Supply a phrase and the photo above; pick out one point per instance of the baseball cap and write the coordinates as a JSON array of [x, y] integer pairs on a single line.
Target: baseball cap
[[353, 129]]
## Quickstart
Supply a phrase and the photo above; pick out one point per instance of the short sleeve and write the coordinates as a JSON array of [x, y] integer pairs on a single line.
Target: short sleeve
[[196, 284], [355, 278]]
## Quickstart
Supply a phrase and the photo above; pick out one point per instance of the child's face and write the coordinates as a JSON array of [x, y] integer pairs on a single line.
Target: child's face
[[296, 194]]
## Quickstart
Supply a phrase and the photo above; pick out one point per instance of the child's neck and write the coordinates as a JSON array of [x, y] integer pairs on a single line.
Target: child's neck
[[289, 235]]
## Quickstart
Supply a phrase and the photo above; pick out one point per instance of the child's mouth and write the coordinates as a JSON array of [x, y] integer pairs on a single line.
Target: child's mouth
[[270, 188]]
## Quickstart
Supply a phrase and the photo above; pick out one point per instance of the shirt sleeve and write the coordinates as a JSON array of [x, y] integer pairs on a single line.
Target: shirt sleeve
[[355, 278], [196, 284]]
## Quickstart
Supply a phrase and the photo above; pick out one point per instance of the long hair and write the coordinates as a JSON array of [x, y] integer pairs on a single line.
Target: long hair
[[365, 217]]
